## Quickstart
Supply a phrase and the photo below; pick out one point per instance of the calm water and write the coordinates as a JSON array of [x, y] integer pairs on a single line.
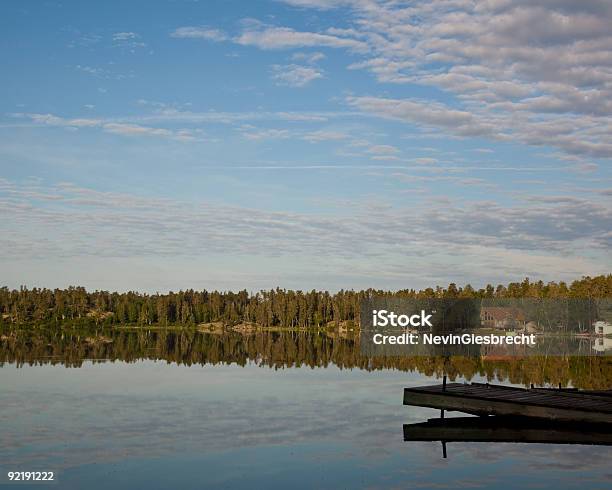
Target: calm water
[[162, 424]]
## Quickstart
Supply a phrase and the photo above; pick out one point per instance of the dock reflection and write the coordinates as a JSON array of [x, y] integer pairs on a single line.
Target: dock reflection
[[494, 429]]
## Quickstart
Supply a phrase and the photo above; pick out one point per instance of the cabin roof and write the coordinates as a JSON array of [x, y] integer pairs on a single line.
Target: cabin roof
[[502, 312]]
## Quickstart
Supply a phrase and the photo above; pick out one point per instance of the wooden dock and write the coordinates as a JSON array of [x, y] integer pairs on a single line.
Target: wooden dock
[[484, 399], [508, 430]]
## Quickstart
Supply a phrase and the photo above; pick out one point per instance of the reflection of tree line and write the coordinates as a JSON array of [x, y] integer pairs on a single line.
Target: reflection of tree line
[[281, 350]]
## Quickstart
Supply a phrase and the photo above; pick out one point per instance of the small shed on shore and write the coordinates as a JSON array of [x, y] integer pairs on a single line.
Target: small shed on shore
[[602, 327]]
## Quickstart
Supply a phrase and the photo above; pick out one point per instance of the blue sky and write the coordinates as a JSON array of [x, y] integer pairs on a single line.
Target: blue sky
[[304, 143]]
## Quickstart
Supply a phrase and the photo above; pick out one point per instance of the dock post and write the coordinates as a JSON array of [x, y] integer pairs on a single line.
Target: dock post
[[443, 389], [444, 449]]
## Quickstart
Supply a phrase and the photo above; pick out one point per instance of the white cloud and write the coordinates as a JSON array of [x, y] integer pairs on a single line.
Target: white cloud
[[91, 70], [52, 120], [425, 160], [121, 128], [255, 134], [383, 150], [323, 135], [125, 36], [576, 136], [128, 40], [284, 38], [319, 4], [386, 158], [138, 130], [103, 73], [135, 130], [544, 234], [295, 75], [189, 32], [310, 58], [539, 73], [167, 114], [428, 113]]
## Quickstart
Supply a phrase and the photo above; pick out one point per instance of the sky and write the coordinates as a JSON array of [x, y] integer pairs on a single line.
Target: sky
[[304, 144]]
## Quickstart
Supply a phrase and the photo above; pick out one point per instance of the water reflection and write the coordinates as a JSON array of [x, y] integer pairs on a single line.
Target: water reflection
[[258, 409], [285, 349], [506, 430], [150, 424]]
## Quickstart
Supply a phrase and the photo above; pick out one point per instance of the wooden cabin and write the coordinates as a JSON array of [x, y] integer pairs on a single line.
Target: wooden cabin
[[502, 317]]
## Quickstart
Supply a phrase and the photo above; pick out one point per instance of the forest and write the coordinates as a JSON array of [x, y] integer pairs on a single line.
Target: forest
[[274, 308]]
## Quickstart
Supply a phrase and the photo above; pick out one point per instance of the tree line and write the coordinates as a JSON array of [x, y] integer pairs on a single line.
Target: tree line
[[273, 308]]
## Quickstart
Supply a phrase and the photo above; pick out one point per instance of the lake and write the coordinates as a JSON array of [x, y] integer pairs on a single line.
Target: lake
[[165, 409]]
